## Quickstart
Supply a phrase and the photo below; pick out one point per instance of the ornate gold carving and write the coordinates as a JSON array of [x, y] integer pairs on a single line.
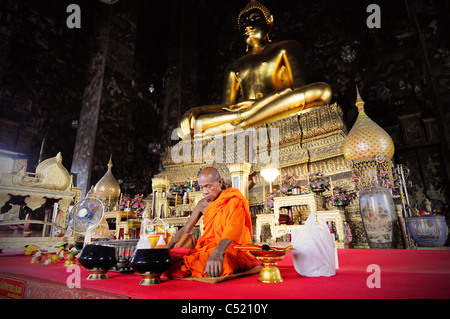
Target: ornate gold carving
[[313, 201], [50, 174], [51, 181]]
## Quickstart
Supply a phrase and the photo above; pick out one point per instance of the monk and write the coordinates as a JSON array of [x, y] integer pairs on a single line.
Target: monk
[[226, 224]]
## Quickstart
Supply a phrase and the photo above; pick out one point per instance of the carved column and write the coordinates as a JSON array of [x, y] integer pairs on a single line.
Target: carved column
[[239, 176], [159, 201], [88, 121], [181, 74]]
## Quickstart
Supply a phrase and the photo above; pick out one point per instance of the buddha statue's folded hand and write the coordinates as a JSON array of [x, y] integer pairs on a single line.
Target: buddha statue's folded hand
[[245, 105]]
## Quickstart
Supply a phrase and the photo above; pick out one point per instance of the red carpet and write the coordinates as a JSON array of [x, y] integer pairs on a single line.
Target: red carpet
[[404, 274]]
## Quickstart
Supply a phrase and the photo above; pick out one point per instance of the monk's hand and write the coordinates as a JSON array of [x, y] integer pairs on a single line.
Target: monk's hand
[[214, 264]]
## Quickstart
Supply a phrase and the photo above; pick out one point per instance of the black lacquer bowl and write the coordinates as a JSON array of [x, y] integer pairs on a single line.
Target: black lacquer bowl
[[150, 264], [97, 259]]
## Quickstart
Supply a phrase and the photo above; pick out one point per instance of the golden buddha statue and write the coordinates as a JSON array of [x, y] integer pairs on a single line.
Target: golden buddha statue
[[269, 78]]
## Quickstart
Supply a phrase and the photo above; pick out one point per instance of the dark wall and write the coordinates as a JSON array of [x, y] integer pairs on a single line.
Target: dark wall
[[42, 73]]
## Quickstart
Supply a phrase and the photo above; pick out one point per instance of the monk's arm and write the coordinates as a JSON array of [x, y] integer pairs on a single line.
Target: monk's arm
[[195, 216], [215, 261]]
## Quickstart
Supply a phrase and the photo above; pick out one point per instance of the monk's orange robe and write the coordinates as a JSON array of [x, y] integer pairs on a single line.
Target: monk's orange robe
[[226, 217]]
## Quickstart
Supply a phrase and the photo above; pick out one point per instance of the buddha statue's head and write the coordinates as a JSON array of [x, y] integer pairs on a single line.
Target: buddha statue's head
[[255, 23]]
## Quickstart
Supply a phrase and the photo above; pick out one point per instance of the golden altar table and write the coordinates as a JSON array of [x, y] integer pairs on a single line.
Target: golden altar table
[[120, 219], [174, 211], [313, 203]]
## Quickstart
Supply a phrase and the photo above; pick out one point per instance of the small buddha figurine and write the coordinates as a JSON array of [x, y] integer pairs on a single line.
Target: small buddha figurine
[[427, 205], [269, 78]]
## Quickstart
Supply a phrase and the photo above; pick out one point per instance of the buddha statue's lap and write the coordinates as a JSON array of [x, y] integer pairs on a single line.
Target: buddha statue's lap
[[270, 79]]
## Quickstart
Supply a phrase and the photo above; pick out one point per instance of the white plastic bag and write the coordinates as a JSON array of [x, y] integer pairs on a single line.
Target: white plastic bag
[[314, 248]]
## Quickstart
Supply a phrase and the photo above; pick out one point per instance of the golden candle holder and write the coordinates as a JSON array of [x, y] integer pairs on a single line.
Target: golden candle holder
[[269, 258]]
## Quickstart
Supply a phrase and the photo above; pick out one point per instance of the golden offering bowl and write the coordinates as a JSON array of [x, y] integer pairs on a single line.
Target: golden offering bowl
[[269, 261]]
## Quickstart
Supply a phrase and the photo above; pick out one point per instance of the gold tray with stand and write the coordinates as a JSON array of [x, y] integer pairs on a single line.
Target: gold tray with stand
[[269, 257]]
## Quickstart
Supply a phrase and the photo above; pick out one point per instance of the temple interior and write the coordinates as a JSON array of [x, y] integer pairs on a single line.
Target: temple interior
[[92, 97]]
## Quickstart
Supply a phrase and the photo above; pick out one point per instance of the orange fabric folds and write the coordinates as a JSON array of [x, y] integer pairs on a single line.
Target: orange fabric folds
[[226, 217]]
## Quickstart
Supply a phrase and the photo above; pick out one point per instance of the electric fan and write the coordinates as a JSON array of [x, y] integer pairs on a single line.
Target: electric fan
[[85, 216]]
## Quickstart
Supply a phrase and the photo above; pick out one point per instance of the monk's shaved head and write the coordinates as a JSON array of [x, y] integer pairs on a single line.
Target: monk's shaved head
[[210, 171], [210, 183]]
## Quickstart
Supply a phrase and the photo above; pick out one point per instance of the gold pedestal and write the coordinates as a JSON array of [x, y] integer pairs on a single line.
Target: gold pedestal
[[97, 274], [150, 278], [270, 272], [269, 261]]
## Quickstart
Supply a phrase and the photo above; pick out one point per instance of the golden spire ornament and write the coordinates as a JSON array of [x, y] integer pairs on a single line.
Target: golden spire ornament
[[369, 150], [108, 187]]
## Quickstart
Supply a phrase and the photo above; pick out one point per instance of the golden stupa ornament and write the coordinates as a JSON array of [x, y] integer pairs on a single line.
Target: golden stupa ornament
[[107, 187], [369, 149]]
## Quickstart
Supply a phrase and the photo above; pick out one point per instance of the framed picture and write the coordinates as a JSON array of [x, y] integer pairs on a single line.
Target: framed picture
[[412, 129], [431, 129]]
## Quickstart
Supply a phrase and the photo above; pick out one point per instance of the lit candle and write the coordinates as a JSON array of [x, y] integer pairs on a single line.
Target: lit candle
[[120, 202], [176, 198], [109, 200]]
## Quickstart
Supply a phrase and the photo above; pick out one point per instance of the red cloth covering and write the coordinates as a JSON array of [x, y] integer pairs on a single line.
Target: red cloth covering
[[404, 274]]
